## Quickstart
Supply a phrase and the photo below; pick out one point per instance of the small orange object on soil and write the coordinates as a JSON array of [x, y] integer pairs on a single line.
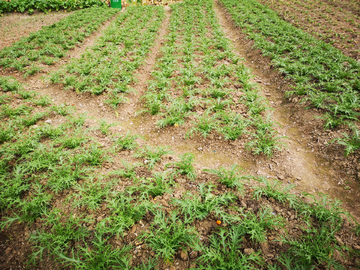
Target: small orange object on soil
[[218, 222]]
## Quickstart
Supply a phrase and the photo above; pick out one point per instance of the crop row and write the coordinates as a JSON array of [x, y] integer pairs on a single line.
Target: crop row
[[199, 79], [108, 66], [46, 5], [319, 19], [326, 78], [51, 175], [47, 46]]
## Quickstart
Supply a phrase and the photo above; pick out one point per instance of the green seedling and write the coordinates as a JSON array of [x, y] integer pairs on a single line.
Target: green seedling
[[185, 166], [126, 142], [224, 251], [229, 177], [200, 206], [169, 234], [152, 156]]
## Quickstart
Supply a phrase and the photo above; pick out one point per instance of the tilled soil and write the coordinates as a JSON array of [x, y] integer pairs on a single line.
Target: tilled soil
[[308, 161]]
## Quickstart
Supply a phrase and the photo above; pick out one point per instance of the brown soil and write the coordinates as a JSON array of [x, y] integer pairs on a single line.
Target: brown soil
[[307, 161], [322, 20], [14, 26], [352, 6]]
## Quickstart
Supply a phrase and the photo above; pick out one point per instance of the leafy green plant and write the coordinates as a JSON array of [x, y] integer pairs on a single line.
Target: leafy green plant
[[351, 143], [169, 234], [229, 177], [125, 211], [275, 189], [126, 142], [154, 186], [128, 172], [200, 206], [51, 43], [185, 166], [9, 84], [224, 252], [152, 156], [92, 194], [256, 226]]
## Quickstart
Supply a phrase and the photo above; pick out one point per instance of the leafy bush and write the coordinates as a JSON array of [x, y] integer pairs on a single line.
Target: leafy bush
[[46, 5]]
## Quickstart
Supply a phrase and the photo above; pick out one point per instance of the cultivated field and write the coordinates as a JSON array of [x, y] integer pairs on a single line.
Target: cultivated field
[[199, 135]]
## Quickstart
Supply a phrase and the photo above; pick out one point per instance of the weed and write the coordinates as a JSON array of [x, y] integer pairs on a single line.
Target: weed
[[104, 127], [92, 194], [275, 190], [169, 234], [224, 252], [199, 207], [152, 156], [9, 84], [126, 142], [185, 166], [256, 226], [229, 177]]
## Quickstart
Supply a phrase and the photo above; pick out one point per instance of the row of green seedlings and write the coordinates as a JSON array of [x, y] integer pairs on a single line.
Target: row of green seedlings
[[326, 78], [39, 161], [48, 45], [169, 233], [108, 66], [350, 7], [46, 6], [338, 12], [199, 77], [322, 31]]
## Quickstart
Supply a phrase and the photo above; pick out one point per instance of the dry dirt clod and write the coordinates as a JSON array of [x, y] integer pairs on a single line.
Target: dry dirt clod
[[248, 251], [194, 255], [338, 239], [184, 255]]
